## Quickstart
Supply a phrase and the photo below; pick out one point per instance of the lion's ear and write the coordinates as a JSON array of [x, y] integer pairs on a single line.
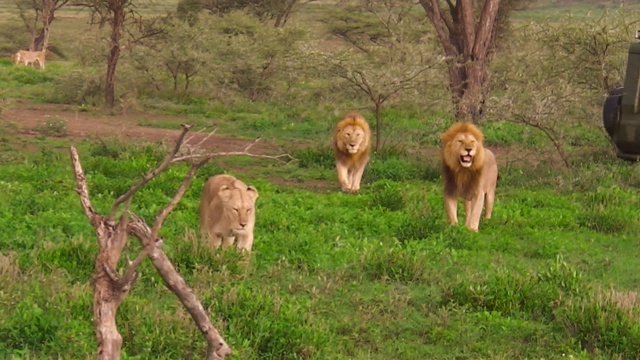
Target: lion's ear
[[252, 192], [224, 193]]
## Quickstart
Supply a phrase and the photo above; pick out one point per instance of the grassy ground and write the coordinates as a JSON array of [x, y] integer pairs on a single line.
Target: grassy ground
[[375, 275]]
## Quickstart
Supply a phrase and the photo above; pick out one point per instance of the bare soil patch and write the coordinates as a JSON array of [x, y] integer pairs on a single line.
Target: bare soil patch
[[94, 125]]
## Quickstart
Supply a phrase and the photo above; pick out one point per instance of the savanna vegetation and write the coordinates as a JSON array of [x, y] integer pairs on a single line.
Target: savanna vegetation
[[374, 275]]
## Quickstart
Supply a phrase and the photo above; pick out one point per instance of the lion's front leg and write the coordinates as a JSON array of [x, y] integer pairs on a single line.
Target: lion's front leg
[[357, 178], [245, 241], [228, 240], [451, 207], [215, 240], [343, 177], [473, 218]]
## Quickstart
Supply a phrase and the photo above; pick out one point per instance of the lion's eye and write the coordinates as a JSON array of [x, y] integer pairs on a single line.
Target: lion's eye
[[235, 209]]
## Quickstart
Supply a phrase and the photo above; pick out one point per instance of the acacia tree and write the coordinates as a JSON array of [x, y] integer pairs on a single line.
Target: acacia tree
[[277, 11], [37, 16], [593, 50], [467, 32], [384, 53], [111, 286], [128, 28]]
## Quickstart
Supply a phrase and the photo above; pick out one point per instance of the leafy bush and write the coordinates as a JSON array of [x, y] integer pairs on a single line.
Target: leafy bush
[[602, 326], [420, 227], [391, 168], [513, 294], [52, 127], [321, 156], [387, 194], [610, 211], [79, 87]]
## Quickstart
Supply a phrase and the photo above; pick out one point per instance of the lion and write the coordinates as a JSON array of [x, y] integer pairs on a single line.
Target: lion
[[469, 171], [28, 57], [228, 212], [352, 146]]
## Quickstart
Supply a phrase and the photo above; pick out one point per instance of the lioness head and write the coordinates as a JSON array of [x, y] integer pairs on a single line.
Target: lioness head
[[239, 201], [463, 146], [352, 134]]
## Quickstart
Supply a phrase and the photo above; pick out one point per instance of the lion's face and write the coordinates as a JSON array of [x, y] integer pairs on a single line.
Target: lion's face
[[463, 147], [466, 146], [239, 206], [352, 138]]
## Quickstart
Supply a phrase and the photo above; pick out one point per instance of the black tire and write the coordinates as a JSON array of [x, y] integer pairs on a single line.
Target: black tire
[[611, 110]]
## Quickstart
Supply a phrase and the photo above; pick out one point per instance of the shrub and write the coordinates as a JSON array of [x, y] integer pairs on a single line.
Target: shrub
[[392, 168], [602, 326], [52, 127], [420, 227], [386, 194], [322, 157]]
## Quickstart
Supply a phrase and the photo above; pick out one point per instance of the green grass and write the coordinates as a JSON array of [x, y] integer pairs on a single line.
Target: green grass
[[375, 275]]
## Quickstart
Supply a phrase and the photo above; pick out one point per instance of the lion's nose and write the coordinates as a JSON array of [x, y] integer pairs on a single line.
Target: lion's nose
[[468, 150], [242, 225]]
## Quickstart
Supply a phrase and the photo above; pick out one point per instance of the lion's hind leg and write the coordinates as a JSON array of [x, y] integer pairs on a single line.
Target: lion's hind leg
[[490, 198]]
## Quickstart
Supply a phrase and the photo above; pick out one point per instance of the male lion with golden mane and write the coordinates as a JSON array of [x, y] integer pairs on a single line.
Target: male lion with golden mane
[[351, 145], [228, 212], [469, 171]]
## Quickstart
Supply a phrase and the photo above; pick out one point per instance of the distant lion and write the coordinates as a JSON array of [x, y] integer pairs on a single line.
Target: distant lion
[[352, 145], [228, 212], [469, 171], [29, 57]]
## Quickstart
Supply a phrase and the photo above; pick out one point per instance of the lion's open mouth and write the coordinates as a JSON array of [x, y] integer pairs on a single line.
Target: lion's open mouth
[[465, 160]]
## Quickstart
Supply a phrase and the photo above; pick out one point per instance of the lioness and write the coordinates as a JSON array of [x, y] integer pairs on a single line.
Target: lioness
[[351, 145], [469, 171], [29, 57], [227, 212]]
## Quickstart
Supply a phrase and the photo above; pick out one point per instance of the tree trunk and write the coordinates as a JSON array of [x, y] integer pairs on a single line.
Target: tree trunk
[[378, 124], [467, 40], [106, 300], [41, 41], [117, 26]]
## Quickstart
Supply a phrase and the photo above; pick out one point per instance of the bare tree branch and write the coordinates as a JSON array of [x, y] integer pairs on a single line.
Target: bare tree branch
[[149, 176], [130, 274], [81, 186], [162, 215], [217, 348]]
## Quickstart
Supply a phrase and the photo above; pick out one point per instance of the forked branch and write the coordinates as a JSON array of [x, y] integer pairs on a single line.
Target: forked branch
[[152, 174]]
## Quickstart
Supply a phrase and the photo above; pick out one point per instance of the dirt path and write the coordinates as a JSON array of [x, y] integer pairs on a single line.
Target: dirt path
[[81, 125]]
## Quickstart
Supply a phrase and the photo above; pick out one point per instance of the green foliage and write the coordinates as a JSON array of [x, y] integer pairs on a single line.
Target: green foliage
[[374, 275], [322, 157], [16, 75], [52, 127], [322, 262], [79, 86], [603, 324], [387, 194]]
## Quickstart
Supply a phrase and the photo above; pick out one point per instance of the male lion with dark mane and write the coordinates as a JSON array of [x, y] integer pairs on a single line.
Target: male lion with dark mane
[[469, 171], [352, 145]]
